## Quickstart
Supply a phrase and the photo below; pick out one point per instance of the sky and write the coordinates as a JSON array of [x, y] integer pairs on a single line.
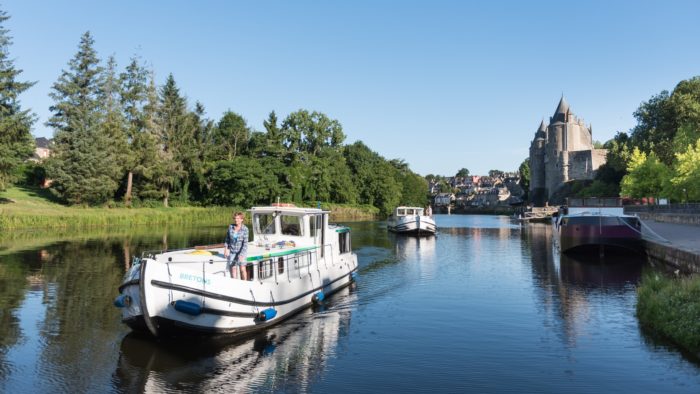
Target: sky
[[442, 85]]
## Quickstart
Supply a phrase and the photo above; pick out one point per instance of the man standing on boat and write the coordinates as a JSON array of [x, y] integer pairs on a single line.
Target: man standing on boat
[[236, 246]]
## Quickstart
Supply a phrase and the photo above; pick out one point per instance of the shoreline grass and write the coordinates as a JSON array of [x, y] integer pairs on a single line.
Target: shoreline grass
[[24, 208], [670, 307]]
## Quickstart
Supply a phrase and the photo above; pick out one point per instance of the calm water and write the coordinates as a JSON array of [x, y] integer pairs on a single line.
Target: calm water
[[483, 307]]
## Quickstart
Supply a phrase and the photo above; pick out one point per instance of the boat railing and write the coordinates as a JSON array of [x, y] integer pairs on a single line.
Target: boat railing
[[594, 202], [281, 266]]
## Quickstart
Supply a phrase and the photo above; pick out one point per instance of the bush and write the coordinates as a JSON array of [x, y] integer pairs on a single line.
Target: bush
[[671, 308]]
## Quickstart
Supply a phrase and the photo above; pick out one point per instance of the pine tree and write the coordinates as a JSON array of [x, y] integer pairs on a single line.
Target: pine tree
[[175, 134], [81, 168], [134, 99], [16, 142], [150, 167], [113, 124]]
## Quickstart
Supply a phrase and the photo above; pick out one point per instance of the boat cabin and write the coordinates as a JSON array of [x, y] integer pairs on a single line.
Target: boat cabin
[[301, 227], [408, 211]]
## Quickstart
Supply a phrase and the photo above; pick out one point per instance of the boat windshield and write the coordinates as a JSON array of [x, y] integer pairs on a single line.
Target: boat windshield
[[291, 225], [264, 223]]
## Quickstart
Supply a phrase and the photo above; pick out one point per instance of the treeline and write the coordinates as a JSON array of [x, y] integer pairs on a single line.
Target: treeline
[[660, 156], [121, 139]]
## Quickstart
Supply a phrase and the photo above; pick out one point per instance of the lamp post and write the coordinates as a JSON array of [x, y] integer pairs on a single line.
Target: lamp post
[[685, 192]]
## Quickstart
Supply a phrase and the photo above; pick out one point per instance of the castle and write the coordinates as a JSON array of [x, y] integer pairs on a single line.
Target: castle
[[561, 152]]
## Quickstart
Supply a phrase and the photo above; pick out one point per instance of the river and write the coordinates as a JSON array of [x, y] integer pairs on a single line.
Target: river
[[485, 306]]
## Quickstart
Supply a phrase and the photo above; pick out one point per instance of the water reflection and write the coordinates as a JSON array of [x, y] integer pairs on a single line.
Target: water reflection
[[288, 357], [490, 305], [571, 287], [421, 248]]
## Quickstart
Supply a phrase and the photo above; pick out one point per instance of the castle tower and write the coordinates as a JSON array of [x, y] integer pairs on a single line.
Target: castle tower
[[538, 189], [561, 152]]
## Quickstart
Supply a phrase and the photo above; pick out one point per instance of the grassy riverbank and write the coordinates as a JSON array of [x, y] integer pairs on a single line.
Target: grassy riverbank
[[671, 308], [22, 208]]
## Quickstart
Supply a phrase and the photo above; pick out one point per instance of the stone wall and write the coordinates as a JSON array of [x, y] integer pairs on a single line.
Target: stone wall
[[580, 165], [675, 259], [678, 218]]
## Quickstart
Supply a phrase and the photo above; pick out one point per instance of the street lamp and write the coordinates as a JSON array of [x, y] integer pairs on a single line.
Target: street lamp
[[685, 192]]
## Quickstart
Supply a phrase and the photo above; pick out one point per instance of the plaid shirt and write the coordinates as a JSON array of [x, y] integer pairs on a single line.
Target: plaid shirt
[[237, 242]]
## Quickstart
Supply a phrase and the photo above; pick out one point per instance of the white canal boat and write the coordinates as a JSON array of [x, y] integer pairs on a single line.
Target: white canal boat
[[411, 220], [296, 258]]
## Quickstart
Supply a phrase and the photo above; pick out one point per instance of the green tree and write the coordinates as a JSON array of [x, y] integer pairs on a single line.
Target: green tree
[[646, 176], [463, 172], [656, 126], [307, 132], [495, 173], [686, 179], [230, 136], [374, 178], [133, 100], [177, 131], [241, 182], [113, 123], [274, 138], [200, 160], [16, 142], [81, 167], [686, 136], [524, 171], [685, 102], [151, 164]]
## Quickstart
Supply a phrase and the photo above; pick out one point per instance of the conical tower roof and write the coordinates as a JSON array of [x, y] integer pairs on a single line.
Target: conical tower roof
[[562, 108], [541, 131]]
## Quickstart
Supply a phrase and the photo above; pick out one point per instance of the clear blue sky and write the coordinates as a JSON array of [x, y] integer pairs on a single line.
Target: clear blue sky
[[441, 84]]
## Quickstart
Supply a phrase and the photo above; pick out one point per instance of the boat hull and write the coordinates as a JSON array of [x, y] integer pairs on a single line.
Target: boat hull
[[415, 225], [595, 233], [217, 304]]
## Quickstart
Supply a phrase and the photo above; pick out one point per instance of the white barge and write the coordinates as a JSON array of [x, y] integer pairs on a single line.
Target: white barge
[[411, 220], [296, 258]]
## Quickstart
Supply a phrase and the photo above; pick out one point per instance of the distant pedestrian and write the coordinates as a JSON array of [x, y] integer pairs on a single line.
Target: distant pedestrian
[[429, 211]]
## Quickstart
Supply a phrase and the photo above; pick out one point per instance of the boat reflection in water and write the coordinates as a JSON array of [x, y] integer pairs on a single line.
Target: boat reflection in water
[[418, 249], [579, 284], [286, 357], [421, 247], [616, 270]]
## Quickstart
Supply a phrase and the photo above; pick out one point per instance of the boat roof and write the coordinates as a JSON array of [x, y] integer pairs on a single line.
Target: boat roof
[[288, 209], [406, 207], [594, 202]]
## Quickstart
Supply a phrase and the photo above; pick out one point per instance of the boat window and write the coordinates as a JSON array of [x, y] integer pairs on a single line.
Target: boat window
[[402, 212], [265, 223], [280, 265], [265, 269], [409, 212], [315, 223], [291, 225], [344, 242]]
